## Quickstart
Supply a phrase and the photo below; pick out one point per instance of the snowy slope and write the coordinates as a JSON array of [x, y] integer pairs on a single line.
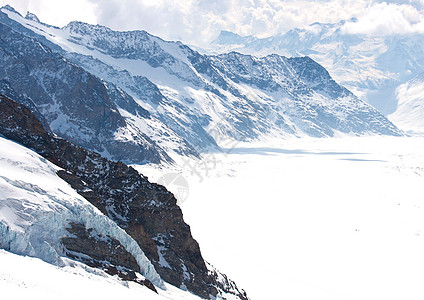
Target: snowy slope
[[208, 100], [23, 277], [322, 219], [78, 106], [36, 207], [409, 114], [370, 66]]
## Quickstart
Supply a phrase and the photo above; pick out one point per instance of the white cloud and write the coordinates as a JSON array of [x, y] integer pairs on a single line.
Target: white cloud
[[386, 19], [200, 21], [55, 12]]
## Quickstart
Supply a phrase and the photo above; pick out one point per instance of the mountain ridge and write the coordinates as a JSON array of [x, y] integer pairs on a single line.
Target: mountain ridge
[[188, 95], [370, 66]]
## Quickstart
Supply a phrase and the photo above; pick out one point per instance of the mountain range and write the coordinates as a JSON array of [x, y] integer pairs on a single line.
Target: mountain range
[[80, 103], [372, 67], [140, 98]]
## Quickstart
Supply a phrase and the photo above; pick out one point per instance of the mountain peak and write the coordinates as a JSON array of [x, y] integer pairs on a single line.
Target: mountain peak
[[10, 8], [228, 37], [32, 17], [226, 33], [81, 27]]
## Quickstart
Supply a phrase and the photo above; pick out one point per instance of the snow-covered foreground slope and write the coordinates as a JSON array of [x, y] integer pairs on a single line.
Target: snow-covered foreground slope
[[23, 277], [313, 219], [36, 207], [409, 115]]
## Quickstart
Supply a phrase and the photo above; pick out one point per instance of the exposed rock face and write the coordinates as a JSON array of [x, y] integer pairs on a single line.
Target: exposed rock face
[[6, 89], [77, 105], [252, 96], [146, 211], [98, 247], [103, 252]]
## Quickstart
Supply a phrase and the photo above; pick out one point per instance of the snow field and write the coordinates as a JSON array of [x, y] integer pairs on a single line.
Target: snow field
[[23, 277], [326, 219]]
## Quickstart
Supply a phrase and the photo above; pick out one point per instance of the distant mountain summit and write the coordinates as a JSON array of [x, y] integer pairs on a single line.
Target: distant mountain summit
[[32, 17], [135, 97], [372, 67]]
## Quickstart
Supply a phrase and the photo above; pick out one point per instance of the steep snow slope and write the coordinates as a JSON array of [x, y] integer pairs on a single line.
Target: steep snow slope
[[237, 96], [370, 66], [409, 114], [23, 277], [36, 207]]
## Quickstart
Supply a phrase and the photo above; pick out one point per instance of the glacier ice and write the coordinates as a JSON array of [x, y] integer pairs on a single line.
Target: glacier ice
[[36, 206]]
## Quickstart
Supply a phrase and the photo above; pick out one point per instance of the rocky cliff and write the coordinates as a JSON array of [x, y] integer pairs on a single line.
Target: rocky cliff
[[146, 211]]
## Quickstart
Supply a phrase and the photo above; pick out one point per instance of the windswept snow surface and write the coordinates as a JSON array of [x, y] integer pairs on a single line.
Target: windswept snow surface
[[23, 277], [36, 206], [338, 218]]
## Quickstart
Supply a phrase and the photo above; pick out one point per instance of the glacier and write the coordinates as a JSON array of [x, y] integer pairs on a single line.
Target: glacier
[[338, 218], [36, 207]]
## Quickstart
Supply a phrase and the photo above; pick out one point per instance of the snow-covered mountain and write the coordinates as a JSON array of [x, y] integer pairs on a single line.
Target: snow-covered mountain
[[372, 67], [79, 106], [184, 102], [38, 209], [74, 207], [409, 115]]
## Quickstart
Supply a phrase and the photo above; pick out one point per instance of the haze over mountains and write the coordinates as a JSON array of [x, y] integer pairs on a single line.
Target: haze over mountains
[[410, 109], [372, 67]]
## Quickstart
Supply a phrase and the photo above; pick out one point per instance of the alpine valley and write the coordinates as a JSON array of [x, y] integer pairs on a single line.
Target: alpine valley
[[86, 112], [143, 99]]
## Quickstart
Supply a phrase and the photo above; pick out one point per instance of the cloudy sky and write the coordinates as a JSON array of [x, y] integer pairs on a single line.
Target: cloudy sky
[[199, 21]]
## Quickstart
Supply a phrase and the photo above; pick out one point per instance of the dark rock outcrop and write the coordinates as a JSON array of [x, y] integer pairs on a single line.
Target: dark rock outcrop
[[77, 105], [146, 211], [102, 252]]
